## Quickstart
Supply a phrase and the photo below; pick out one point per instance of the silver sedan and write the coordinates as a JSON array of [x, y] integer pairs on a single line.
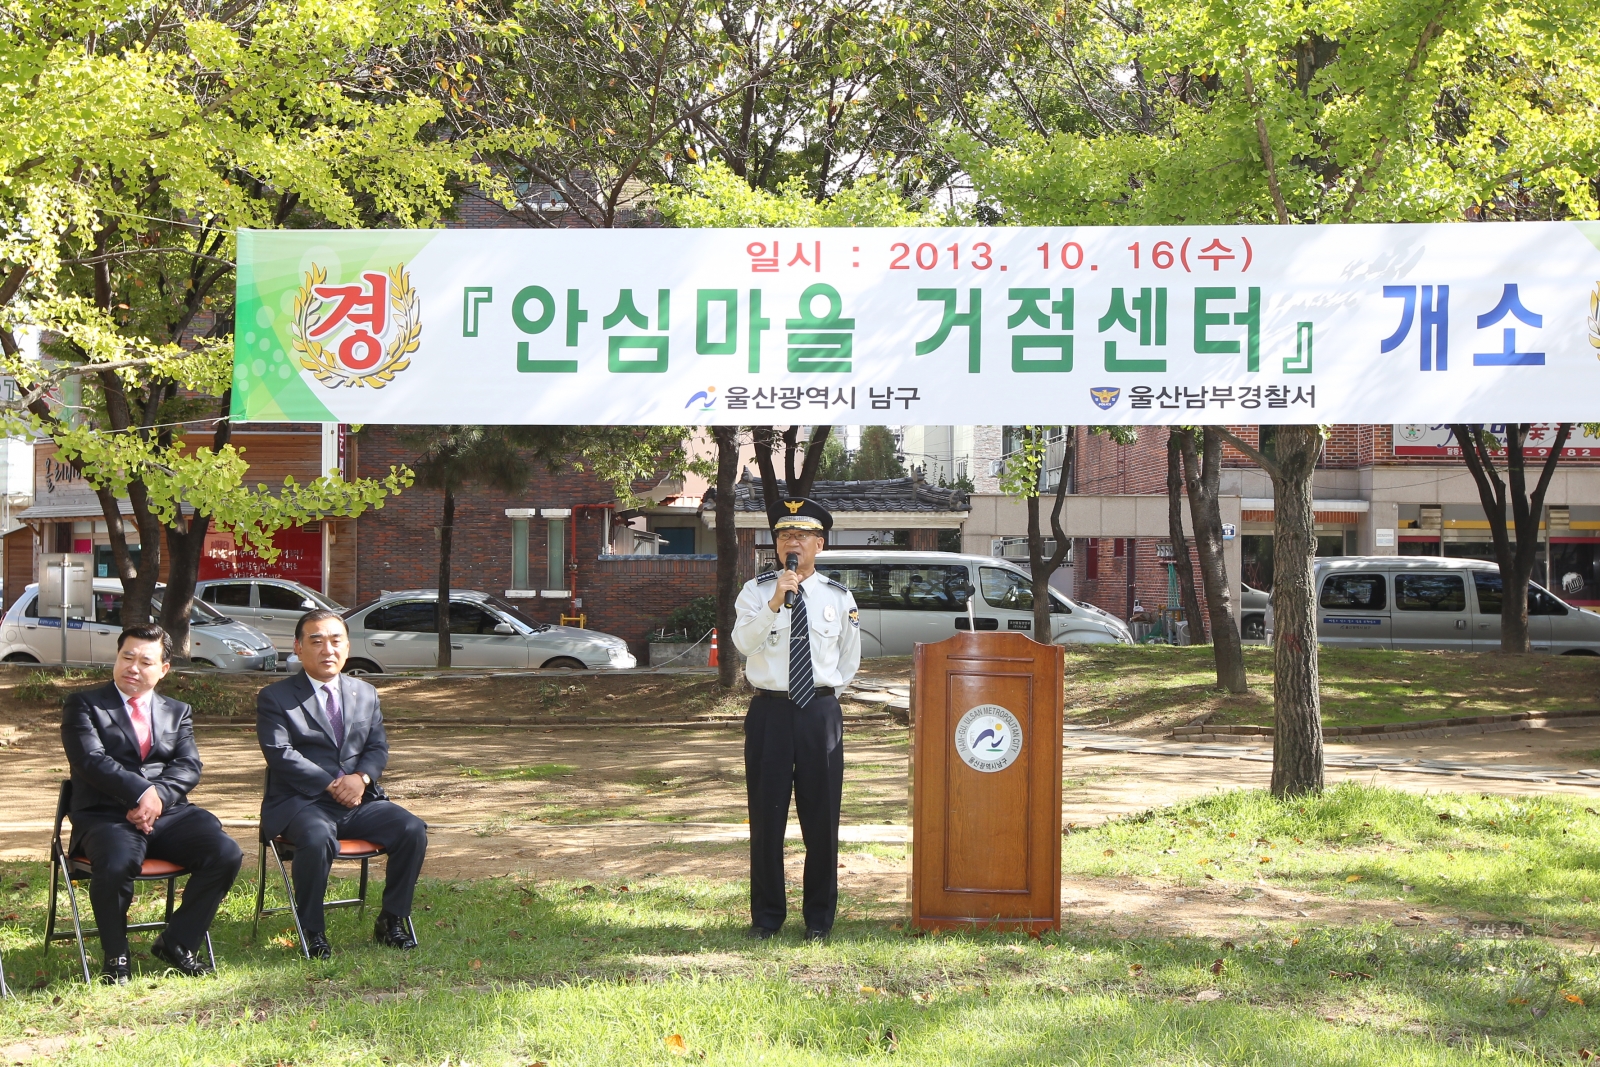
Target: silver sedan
[[397, 632]]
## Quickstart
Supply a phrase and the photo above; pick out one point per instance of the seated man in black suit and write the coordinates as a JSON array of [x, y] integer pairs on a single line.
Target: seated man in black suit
[[322, 735], [133, 764]]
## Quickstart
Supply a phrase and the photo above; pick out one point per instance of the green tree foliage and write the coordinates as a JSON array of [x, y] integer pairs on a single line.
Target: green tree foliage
[[1264, 110], [877, 457], [138, 139]]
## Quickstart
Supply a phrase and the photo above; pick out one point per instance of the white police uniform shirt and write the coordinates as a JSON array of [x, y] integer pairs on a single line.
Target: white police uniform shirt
[[762, 634]]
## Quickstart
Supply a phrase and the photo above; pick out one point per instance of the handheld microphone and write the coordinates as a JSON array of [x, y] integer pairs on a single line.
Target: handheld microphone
[[791, 562]]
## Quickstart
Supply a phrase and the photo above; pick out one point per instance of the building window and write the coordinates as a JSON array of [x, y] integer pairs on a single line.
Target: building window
[[676, 540], [519, 553], [556, 559]]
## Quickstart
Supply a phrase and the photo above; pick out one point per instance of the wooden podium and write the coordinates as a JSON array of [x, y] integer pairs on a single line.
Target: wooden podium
[[986, 783]]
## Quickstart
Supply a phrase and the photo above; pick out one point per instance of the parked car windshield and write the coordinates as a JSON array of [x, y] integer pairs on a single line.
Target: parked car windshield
[[200, 613], [517, 615]]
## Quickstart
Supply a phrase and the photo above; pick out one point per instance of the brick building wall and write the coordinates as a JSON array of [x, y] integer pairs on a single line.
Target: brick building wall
[[625, 596]]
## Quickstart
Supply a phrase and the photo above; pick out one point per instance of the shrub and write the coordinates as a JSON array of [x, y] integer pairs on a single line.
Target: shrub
[[690, 622], [208, 696]]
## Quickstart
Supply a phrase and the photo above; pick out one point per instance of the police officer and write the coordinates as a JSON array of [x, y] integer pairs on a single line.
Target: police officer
[[797, 658]]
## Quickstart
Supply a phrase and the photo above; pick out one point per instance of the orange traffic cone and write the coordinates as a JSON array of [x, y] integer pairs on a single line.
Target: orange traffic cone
[[713, 661]]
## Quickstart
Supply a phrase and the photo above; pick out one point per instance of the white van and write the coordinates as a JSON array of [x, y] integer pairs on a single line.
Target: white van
[[907, 597], [1420, 603]]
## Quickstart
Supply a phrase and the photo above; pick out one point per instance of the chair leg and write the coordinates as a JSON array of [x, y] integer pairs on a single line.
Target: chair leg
[[294, 909], [172, 889], [55, 887], [413, 928], [361, 912], [211, 952], [261, 887], [77, 920], [5, 990]]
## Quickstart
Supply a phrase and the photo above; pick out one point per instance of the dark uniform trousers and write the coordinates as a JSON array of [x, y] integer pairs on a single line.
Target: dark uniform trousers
[[186, 835], [786, 748], [315, 831]]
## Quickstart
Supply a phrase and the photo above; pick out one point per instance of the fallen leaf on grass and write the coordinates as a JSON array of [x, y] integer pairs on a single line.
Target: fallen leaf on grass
[[1216, 968], [1348, 976], [1353, 878], [1208, 994], [1573, 998], [1135, 968], [1266, 859], [1517, 1002], [477, 965], [1109, 852], [868, 989], [1585, 1054], [676, 1045]]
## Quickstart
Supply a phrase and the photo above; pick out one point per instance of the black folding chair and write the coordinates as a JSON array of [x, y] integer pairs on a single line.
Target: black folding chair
[[73, 869], [282, 849]]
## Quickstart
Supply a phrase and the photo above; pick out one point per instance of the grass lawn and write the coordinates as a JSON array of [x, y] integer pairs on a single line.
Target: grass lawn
[[1122, 683], [657, 972]]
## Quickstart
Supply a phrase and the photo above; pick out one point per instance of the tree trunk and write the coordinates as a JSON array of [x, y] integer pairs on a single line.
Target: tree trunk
[[185, 544], [1203, 478], [765, 438], [1296, 696], [1040, 566], [1515, 549], [1180, 544], [813, 461], [727, 438], [442, 610]]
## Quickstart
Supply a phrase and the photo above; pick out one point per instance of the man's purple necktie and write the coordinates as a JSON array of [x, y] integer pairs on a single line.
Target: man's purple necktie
[[335, 716]]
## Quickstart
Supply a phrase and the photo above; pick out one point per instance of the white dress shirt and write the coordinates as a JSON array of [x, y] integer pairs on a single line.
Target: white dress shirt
[[762, 634]]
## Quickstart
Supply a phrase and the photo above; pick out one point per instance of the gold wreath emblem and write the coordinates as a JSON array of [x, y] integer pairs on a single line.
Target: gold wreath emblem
[[324, 363], [1594, 319]]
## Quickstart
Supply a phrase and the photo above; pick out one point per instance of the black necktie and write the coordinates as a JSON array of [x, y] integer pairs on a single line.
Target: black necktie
[[802, 684]]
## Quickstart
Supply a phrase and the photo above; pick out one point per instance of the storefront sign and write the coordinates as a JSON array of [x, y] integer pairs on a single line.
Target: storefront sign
[[1422, 439], [1173, 325], [299, 557]]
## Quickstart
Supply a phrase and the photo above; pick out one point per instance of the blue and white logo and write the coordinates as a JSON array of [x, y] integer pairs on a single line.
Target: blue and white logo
[[988, 738], [1104, 397], [706, 398]]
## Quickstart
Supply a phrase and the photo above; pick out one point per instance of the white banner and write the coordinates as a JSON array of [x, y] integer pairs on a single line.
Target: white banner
[[1174, 325]]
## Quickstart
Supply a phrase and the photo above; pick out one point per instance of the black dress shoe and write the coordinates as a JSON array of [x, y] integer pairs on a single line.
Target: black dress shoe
[[179, 958], [394, 931], [760, 933], [116, 970], [815, 935], [317, 946]]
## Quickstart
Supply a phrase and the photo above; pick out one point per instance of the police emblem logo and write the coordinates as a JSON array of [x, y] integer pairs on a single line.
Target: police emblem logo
[[794, 505], [855, 617], [1104, 397]]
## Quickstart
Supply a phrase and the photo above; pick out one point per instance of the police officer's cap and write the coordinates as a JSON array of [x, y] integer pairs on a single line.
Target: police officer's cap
[[800, 513]]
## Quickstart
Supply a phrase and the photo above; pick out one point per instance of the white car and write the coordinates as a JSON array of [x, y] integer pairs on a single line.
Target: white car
[[397, 632], [271, 605], [904, 598], [214, 640], [1422, 603]]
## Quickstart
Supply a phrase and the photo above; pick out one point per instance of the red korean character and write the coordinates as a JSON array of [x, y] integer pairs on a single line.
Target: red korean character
[[376, 316], [760, 262], [800, 255], [1216, 247]]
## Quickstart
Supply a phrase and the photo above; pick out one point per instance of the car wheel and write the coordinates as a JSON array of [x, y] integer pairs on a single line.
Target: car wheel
[[1580, 652], [565, 663], [202, 663], [362, 666], [19, 657], [1255, 626]]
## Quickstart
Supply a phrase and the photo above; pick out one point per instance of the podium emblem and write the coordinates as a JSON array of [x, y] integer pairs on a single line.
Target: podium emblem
[[988, 738]]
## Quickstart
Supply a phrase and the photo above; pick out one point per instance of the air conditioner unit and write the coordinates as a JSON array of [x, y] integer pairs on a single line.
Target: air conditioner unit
[[996, 467]]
